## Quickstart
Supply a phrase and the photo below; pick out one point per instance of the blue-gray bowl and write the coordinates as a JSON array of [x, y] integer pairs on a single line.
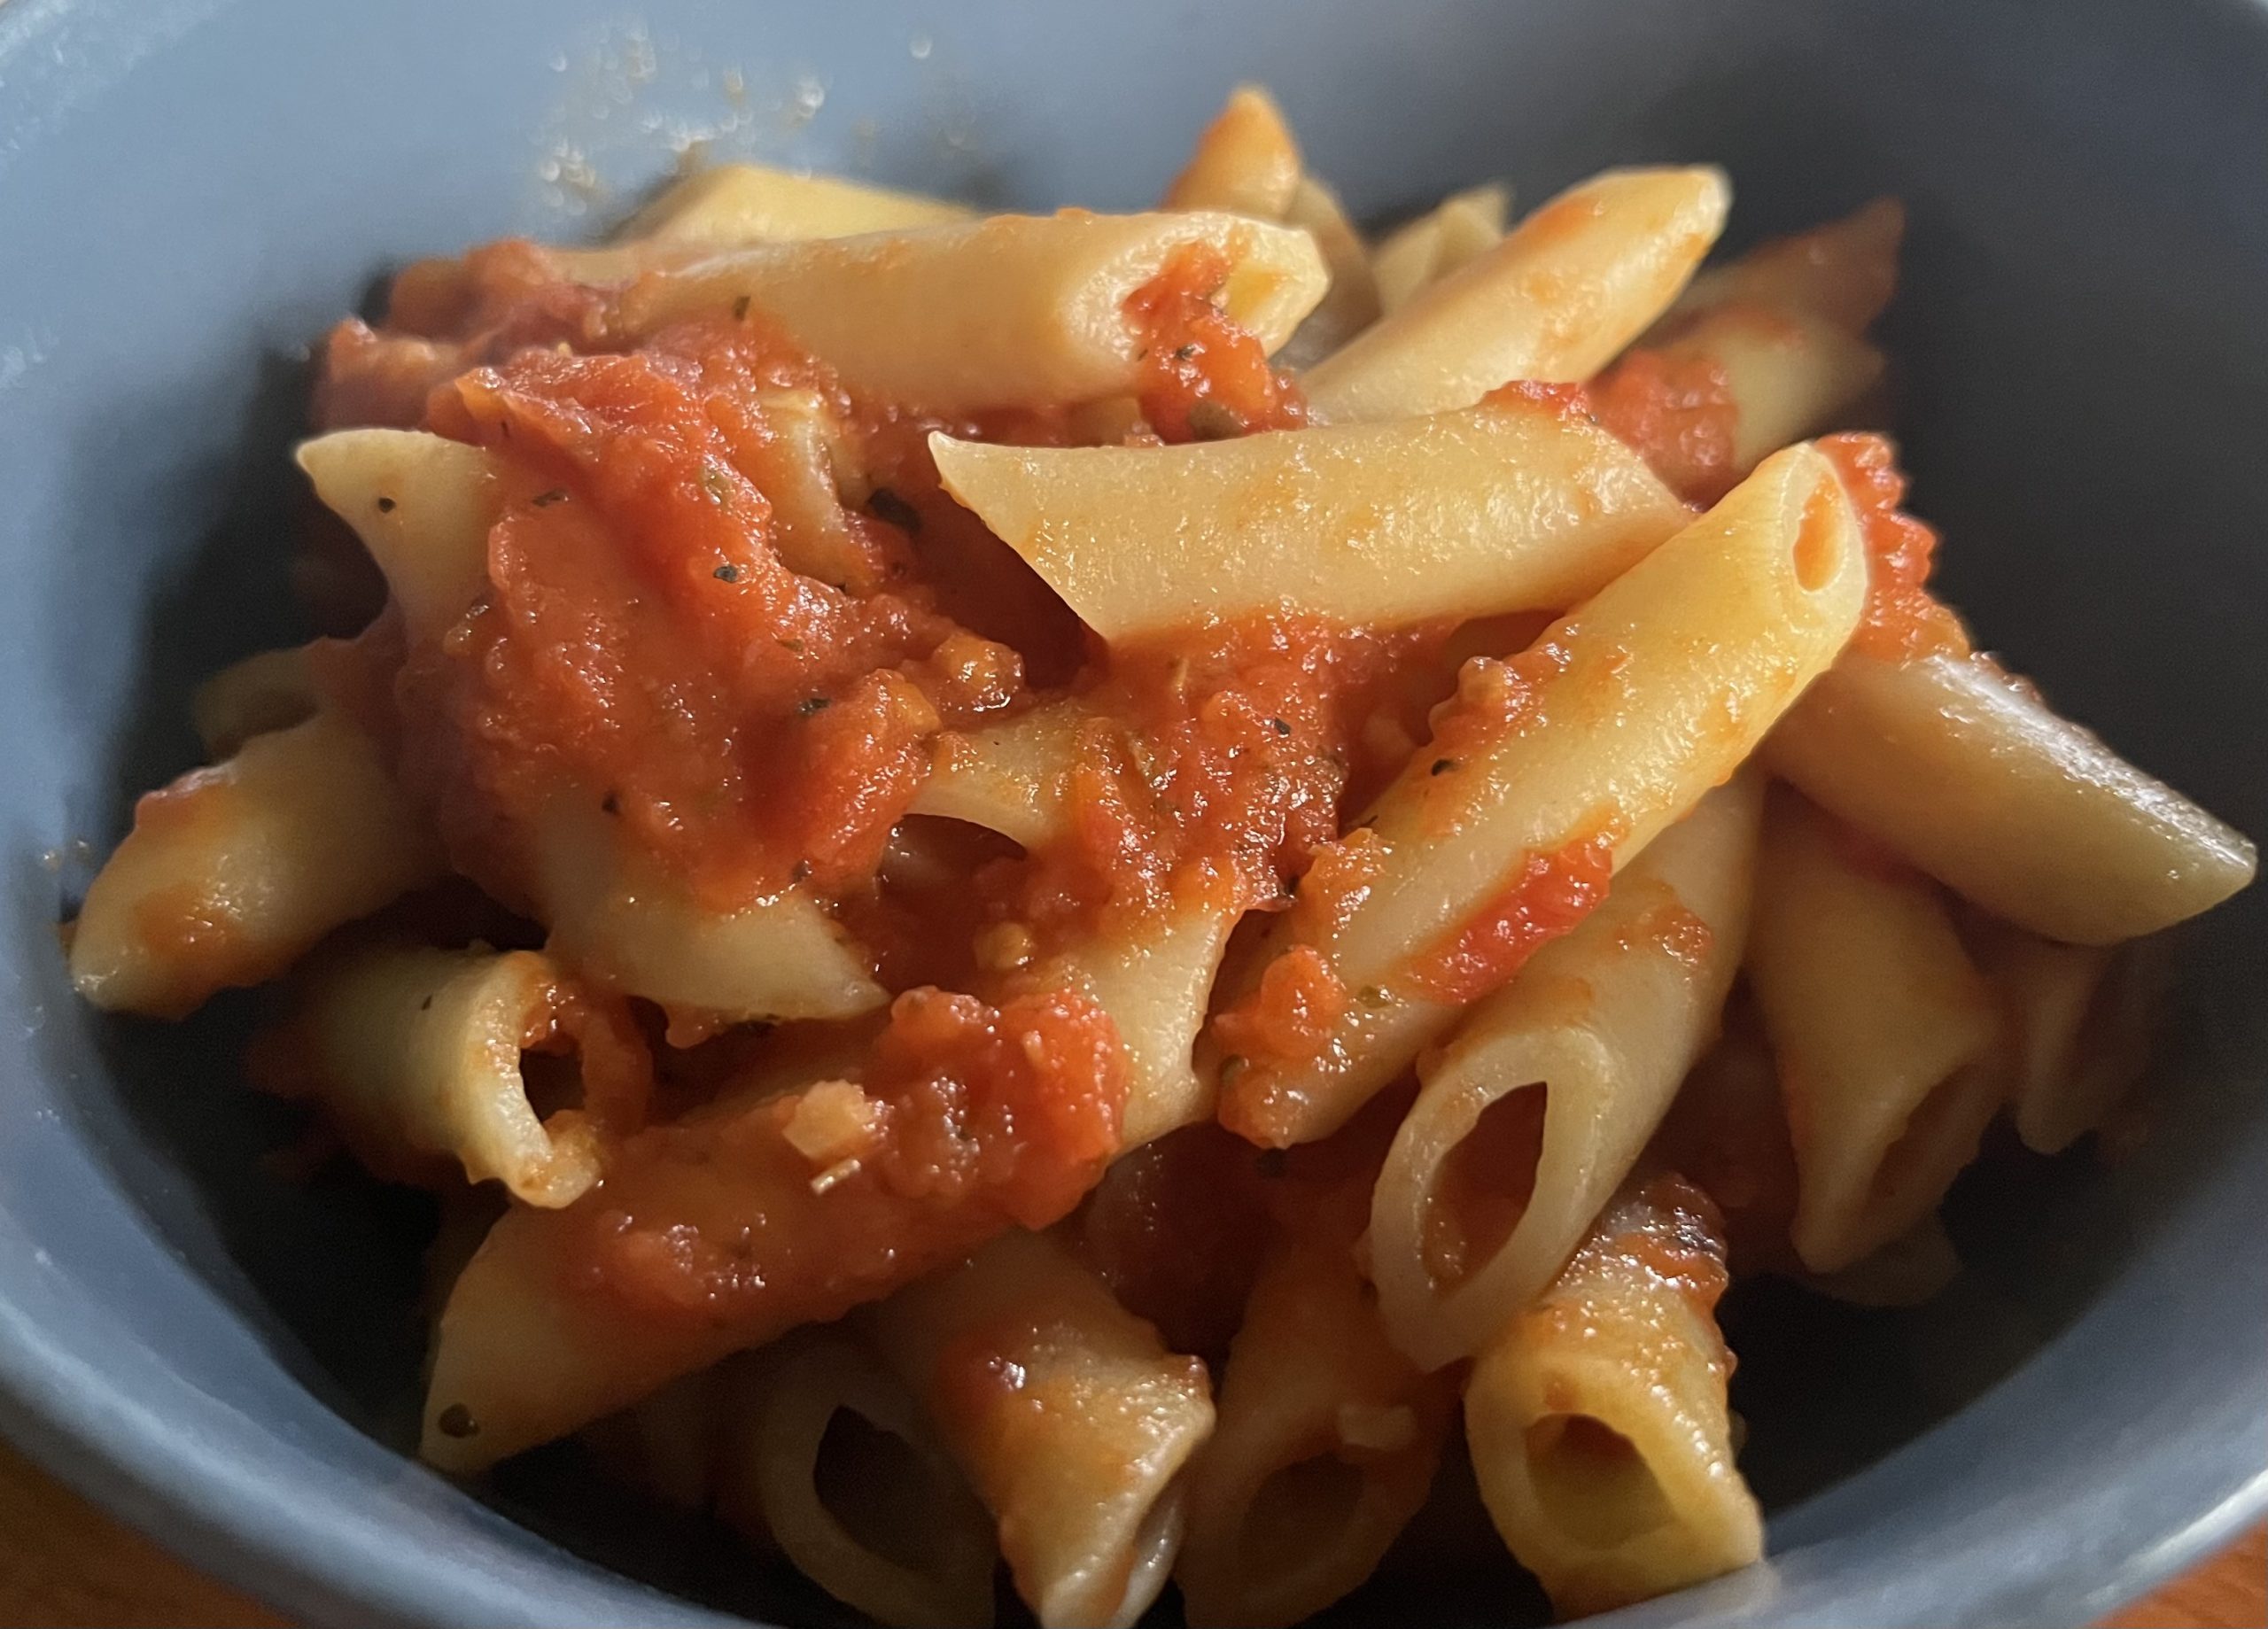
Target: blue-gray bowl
[[190, 189]]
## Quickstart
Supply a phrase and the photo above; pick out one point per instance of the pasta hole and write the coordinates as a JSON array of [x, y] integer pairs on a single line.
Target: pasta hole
[[1592, 1481], [1297, 1512], [1815, 539], [1484, 1185], [885, 1495]]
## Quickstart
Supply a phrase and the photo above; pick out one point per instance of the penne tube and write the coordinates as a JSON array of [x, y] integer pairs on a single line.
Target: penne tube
[[1964, 771], [415, 1054], [1153, 978], [1351, 303], [618, 918], [1514, 505], [1326, 1446], [1598, 1422], [1069, 1418], [233, 873], [1418, 252], [1787, 374], [1842, 273], [722, 1231], [1885, 1035], [826, 1454], [269, 691], [1009, 776], [737, 203], [1542, 1101], [423, 506], [793, 466], [1544, 773], [1572, 285], [1246, 161], [1010, 311], [2079, 1019]]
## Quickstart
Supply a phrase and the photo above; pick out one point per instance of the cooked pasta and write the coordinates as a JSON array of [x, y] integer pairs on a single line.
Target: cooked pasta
[[1071, 1420], [1598, 1422], [1884, 1032], [826, 1454], [1028, 884], [1541, 1100], [1547, 774]]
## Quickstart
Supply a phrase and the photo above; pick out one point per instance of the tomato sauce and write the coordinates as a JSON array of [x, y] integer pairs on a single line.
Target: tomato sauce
[[1552, 894], [977, 1118], [1203, 377], [1903, 620], [1677, 412]]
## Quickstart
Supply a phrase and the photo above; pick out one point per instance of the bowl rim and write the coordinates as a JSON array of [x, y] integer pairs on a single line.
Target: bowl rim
[[228, 1501]]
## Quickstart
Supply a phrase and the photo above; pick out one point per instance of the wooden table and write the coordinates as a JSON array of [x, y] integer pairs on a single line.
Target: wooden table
[[62, 1563]]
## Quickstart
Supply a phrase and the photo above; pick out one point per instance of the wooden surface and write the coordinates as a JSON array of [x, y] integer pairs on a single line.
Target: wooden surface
[[64, 1563]]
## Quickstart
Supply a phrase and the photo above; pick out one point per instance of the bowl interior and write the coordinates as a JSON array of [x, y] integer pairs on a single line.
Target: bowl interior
[[191, 191]]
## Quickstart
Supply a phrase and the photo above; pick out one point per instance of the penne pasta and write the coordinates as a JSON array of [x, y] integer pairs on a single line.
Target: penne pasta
[[415, 1054], [1010, 311], [1070, 1419], [2079, 1019], [1598, 1422], [1326, 1446], [233, 873], [620, 918], [1842, 273], [1884, 1032], [882, 654], [1009, 776], [702, 1241], [1515, 505], [1153, 978], [1572, 285], [272, 690], [794, 467], [1964, 771], [824, 1452], [422, 505], [1351, 303], [1546, 772], [1543, 1099], [1460, 229], [1246, 161], [737, 203]]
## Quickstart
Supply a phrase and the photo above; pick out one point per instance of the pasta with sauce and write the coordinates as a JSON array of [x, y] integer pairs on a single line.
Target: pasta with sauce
[[1039, 887]]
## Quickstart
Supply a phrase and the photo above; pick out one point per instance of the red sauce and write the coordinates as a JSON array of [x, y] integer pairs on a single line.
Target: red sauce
[[982, 1118], [1903, 620], [1677, 412], [645, 648], [1552, 893], [1289, 1019], [1202, 377]]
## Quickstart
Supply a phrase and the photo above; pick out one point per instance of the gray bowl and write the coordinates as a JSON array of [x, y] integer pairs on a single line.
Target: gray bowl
[[190, 189]]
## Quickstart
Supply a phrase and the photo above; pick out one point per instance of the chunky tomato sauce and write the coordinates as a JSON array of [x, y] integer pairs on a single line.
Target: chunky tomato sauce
[[1552, 893], [1203, 379], [1677, 412], [1903, 620], [969, 1119], [647, 655]]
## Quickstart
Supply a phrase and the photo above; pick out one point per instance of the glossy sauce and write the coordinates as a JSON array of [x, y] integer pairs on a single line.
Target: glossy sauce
[[1903, 620]]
